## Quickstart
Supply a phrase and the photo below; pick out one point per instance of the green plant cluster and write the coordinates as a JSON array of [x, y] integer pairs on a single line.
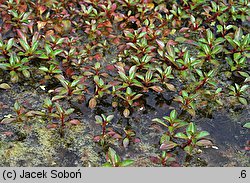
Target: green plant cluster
[[90, 50]]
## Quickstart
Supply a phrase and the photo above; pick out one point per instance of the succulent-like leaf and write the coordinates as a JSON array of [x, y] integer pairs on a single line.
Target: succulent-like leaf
[[247, 125], [202, 134], [181, 135], [125, 163], [98, 119], [168, 145]]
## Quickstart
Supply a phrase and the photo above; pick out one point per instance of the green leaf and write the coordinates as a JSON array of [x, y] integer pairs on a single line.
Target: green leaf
[[75, 82], [128, 91], [123, 76], [57, 97], [48, 49], [24, 44], [69, 111], [217, 49], [243, 88], [243, 100], [98, 119], [125, 142], [26, 73], [199, 72], [202, 134], [110, 117], [247, 125], [126, 163], [137, 96], [171, 87], [186, 57], [56, 52], [219, 40], [42, 68], [14, 13], [210, 36], [191, 128], [10, 43], [159, 121], [34, 46], [160, 44], [180, 39], [113, 156], [60, 41], [230, 40], [17, 106], [181, 135], [142, 34], [238, 34], [164, 138], [207, 49], [4, 86], [184, 93], [132, 72], [188, 149], [107, 165], [173, 115], [128, 34], [43, 56], [132, 45], [191, 111], [14, 76]]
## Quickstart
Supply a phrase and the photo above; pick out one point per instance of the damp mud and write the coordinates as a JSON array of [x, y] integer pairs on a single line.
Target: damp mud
[[31, 143]]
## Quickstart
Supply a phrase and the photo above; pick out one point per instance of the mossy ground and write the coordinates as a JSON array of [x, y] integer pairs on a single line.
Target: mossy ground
[[31, 143]]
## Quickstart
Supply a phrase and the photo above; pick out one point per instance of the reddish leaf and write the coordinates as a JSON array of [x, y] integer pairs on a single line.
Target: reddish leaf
[[114, 83], [52, 126], [69, 72], [113, 7], [8, 133], [116, 41], [104, 24], [247, 148], [98, 56], [175, 164], [74, 122], [117, 136], [157, 88], [40, 25], [41, 9], [189, 41], [171, 43], [168, 145], [137, 140], [183, 29], [21, 35], [155, 160], [110, 67], [97, 138], [204, 142], [160, 44]]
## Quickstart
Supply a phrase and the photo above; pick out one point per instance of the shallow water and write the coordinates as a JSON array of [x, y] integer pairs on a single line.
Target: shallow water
[[78, 149]]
